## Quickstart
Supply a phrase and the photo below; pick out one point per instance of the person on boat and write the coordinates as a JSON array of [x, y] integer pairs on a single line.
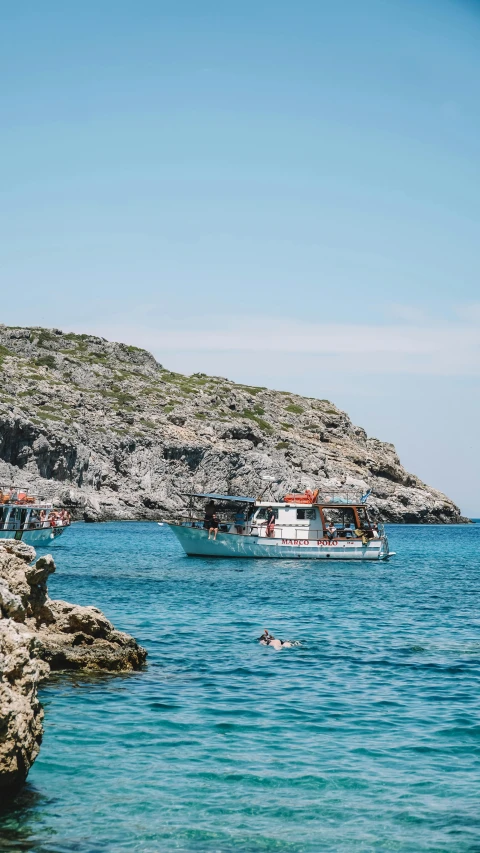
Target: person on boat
[[239, 521], [362, 534], [270, 521], [209, 512], [331, 531], [43, 518], [213, 526], [375, 533]]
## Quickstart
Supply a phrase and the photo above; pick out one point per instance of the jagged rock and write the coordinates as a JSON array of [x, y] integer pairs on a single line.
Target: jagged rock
[[104, 429], [19, 549], [92, 511], [21, 714], [11, 604], [39, 573], [80, 649], [36, 636]]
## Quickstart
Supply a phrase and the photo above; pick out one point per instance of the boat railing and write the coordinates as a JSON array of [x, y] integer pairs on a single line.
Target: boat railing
[[32, 525], [306, 533], [340, 497], [250, 527], [25, 503]]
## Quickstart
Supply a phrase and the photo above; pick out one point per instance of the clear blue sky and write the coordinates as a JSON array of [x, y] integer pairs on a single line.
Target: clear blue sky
[[285, 193]]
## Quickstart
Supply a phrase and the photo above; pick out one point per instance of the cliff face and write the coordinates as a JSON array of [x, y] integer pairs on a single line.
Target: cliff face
[[108, 431], [36, 636]]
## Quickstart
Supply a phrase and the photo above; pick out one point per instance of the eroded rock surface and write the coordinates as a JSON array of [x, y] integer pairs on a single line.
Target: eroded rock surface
[[105, 429], [38, 635], [21, 714]]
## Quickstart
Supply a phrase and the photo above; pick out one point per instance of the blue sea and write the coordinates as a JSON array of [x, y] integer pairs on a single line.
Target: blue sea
[[363, 737]]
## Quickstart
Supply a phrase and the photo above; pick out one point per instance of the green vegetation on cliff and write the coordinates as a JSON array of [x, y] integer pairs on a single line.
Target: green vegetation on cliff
[[103, 424]]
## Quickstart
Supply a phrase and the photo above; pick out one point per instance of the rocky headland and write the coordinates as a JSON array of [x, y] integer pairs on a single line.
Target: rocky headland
[[107, 431], [38, 635]]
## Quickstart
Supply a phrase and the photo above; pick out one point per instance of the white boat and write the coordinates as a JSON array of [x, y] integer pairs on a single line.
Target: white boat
[[300, 531], [30, 519]]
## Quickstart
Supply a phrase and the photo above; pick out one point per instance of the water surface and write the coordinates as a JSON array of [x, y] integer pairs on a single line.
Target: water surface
[[364, 737]]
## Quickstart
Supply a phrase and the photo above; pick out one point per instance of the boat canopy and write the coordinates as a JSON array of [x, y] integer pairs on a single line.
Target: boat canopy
[[215, 497]]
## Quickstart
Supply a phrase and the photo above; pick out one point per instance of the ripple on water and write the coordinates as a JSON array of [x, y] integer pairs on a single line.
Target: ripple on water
[[365, 736]]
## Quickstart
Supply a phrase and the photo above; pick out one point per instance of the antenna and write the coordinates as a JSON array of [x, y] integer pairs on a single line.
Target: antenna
[[270, 481]]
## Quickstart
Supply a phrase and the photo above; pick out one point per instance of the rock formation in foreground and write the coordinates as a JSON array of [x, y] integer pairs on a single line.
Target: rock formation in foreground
[[105, 429], [38, 635]]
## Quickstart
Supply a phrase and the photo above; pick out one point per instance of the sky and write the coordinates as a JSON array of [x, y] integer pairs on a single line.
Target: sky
[[283, 193]]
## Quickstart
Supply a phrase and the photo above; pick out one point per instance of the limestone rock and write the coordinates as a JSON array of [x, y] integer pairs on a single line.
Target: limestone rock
[[10, 604], [108, 432], [20, 710], [36, 636]]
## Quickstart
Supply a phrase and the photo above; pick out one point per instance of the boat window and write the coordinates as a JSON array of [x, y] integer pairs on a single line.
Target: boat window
[[304, 514], [340, 517], [14, 518], [262, 512]]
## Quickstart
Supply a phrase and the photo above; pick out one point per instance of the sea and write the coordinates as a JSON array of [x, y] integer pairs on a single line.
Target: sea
[[364, 736]]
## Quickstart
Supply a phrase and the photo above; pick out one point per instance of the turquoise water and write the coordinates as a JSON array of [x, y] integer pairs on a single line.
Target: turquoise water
[[364, 737]]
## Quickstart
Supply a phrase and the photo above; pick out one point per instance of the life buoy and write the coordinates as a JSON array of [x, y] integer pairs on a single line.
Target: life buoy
[[307, 497]]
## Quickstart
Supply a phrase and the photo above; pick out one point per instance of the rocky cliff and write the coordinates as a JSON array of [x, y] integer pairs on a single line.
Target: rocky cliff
[[36, 636], [108, 431]]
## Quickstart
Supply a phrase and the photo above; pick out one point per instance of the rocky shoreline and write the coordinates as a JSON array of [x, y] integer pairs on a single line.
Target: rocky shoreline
[[39, 635], [104, 429]]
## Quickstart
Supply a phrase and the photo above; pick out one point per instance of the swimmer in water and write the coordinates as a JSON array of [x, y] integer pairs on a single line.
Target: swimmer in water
[[268, 639]]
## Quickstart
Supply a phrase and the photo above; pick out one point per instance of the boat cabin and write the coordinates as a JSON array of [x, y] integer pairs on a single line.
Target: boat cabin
[[303, 521], [302, 516]]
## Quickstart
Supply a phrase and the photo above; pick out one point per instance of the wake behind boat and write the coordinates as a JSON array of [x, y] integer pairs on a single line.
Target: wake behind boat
[[308, 526]]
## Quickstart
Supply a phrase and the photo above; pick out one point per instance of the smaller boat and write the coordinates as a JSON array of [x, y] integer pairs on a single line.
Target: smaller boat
[[309, 526], [30, 519]]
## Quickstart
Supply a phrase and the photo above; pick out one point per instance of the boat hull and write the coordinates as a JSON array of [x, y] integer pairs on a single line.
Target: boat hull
[[195, 543], [38, 537]]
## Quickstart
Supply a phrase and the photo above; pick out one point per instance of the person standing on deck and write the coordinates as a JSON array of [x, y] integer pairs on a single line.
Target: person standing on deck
[[239, 521]]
